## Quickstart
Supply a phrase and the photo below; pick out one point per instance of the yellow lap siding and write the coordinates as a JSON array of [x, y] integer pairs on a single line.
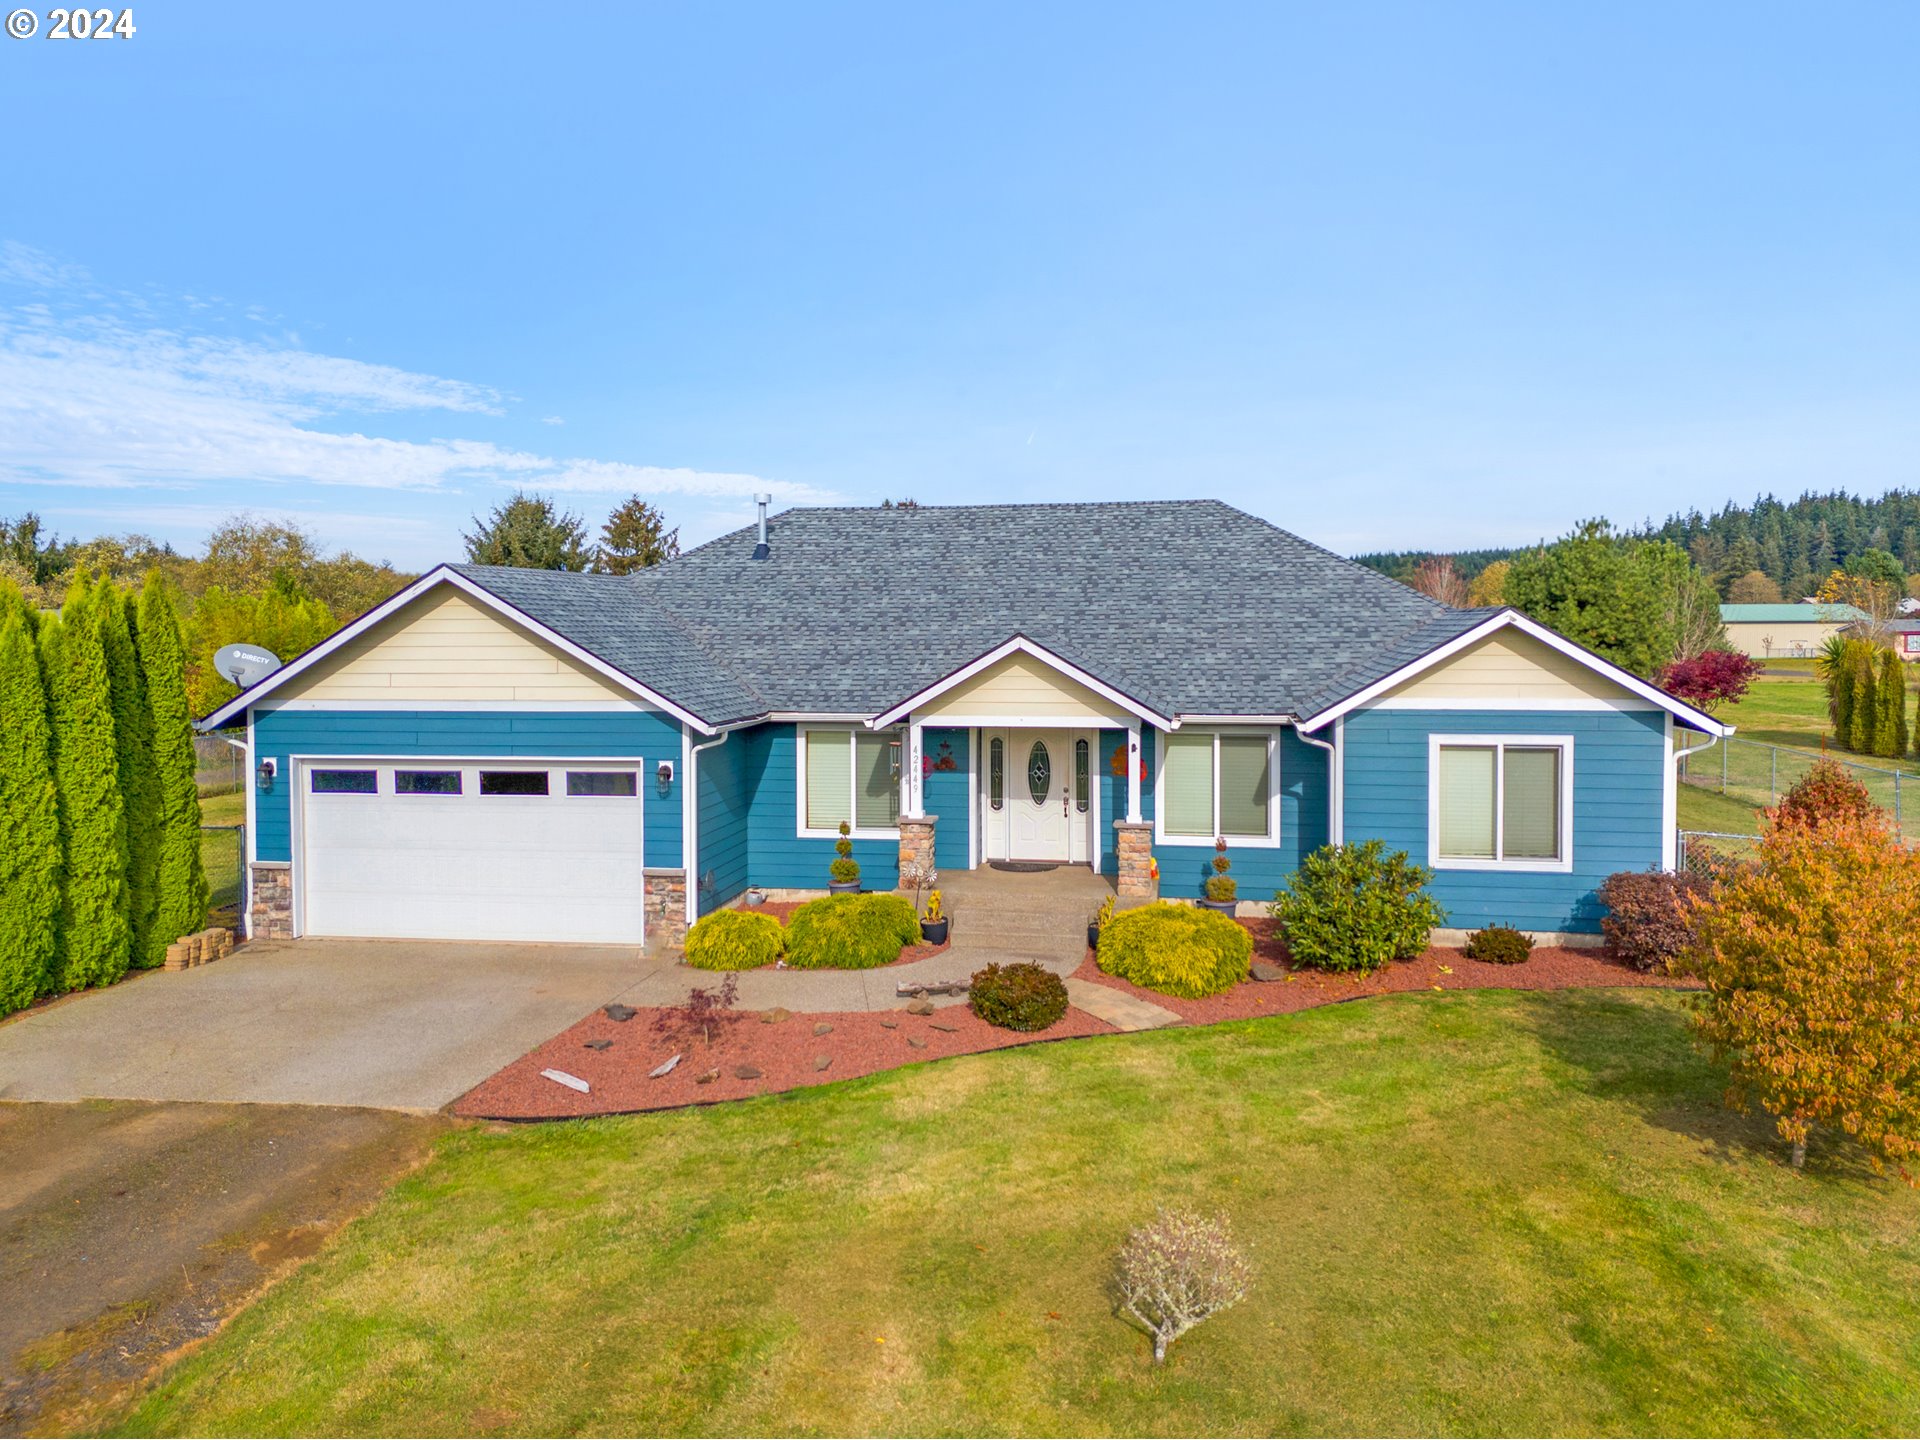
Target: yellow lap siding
[[445, 647], [1510, 666], [1020, 687]]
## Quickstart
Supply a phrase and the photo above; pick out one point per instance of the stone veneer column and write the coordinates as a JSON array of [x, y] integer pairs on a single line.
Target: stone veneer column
[[916, 844], [664, 892], [270, 913], [1133, 841]]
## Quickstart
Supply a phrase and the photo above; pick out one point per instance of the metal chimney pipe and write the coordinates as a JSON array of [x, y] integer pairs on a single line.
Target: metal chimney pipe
[[760, 551]]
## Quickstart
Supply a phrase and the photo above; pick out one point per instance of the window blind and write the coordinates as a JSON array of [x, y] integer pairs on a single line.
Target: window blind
[[1530, 804], [1187, 784], [1244, 785], [877, 806], [1466, 801], [829, 779]]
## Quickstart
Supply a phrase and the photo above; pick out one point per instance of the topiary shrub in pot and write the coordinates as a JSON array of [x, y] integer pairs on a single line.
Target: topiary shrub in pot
[[845, 870], [1355, 907], [851, 932], [1222, 890], [1178, 950], [1021, 996], [1499, 945], [735, 940]]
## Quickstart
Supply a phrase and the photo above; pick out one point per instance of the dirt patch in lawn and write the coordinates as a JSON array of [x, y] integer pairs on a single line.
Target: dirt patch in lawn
[[785, 1052], [1440, 968], [131, 1229]]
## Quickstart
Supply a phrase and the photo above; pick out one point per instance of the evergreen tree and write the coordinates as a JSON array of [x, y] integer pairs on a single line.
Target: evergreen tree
[[634, 537], [133, 753], [29, 817], [1890, 727], [529, 532], [1866, 701], [93, 944], [181, 890]]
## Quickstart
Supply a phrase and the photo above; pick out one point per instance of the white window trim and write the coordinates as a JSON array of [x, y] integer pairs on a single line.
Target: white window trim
[[889, 832], [1269, 841], [1563, 743]]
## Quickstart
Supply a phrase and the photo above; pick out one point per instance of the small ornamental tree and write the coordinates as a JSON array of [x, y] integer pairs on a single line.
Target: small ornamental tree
[[1710, 679], [844, 869], [1176, 1273], [1834, 665], [1824, 794], [1221, 887], [139, 780], [29, 817], [1811, 960], [94, 937], [180, 885]]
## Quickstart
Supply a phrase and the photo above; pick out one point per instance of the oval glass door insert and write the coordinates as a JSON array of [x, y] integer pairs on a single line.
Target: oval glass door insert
[[1039, 772]]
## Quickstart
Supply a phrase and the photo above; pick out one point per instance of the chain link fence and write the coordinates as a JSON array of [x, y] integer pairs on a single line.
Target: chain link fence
[[219, 768], [1704, 852], [223, 853], [1760, 774]]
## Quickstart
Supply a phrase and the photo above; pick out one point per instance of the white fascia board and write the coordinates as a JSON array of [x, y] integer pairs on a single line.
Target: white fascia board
[[1513, 619], [1019, 644], [237, 707]]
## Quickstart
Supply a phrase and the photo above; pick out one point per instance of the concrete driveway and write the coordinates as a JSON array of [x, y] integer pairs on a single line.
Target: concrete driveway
[[392, 1024]]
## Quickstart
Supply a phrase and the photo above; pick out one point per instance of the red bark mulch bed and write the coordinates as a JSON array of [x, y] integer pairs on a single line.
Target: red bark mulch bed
[[1440, 968], [782, 910], [860, 1043]]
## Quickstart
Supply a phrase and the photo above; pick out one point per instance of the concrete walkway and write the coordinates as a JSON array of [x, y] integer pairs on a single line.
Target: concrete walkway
[[997, 916], [1117, 1008]]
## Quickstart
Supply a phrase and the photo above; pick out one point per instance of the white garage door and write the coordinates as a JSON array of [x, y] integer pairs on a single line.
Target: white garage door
[[471, 850]]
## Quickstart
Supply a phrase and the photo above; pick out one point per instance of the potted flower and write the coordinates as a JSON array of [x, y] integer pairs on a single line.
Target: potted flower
[[845, 869], [1221, 887], [1098, 922], [934, 921]]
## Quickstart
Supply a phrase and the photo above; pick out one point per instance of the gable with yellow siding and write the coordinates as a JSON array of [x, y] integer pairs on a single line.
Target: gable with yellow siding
[[446, 647], [1509, 668], [1023, 688]]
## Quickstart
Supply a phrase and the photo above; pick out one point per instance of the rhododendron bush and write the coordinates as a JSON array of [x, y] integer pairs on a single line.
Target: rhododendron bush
[[1811, 959]]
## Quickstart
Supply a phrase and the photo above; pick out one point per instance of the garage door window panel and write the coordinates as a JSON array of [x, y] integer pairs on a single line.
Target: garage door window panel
[[426, 782], [602, 782], [513, 782], [346, 782]]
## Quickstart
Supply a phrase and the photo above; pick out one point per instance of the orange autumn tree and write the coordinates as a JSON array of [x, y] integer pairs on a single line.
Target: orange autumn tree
[[1811, 959]]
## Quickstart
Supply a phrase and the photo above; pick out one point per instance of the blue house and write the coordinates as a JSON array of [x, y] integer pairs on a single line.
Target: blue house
[[517, 754]]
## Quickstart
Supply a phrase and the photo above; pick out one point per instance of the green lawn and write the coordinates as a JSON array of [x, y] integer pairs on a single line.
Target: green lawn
[[1480, 1213], [1701, 809]]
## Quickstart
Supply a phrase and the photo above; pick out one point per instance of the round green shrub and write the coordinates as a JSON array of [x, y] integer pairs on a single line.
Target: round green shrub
[[1178, 950], [1355, 907], [1499, 945], [1020, 996], [851, 932], [735, 940]]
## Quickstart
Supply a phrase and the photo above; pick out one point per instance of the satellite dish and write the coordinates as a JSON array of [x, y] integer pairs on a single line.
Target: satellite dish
[[245, 665]]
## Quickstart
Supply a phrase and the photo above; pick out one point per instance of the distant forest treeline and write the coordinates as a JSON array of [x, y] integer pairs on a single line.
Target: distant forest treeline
[[1794, 543]]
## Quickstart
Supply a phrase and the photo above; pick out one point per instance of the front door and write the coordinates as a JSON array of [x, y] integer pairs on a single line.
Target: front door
[[1041, 801]]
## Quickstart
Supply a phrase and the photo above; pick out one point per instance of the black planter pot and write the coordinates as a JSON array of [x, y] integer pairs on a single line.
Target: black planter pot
[[1225, 907], [934, 932], [1093, 937], [850, 887]]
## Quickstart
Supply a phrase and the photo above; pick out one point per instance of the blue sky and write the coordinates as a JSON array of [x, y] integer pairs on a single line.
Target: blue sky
[[1391, 276]]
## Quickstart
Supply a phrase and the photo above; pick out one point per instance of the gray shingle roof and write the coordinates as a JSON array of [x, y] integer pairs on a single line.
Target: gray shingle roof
[[1188, 606]]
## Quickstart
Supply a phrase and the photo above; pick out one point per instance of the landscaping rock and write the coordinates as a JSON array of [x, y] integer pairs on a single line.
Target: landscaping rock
[[664, 1068], [1264, 972], [917, 1042], [946, 1025], [706, 1077], [821, 1062], [617, 1011], [599, 1044], [886, 1024], [747, 1072], [775, 1015], [823, 1028], [920, 1007]]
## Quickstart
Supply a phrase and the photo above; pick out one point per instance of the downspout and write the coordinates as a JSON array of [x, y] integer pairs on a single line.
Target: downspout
[[1334, 817], [690, 822]]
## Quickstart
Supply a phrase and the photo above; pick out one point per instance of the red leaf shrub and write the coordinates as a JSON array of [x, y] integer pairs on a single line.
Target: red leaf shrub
[[1713, 677], [1648, 924], [1824, 795]]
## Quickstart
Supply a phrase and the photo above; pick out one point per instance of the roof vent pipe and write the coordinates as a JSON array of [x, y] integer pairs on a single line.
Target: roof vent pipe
[[760, 551]]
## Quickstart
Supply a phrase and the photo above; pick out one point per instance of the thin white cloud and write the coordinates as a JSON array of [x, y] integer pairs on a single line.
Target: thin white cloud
[[551, 420], [90, 401]]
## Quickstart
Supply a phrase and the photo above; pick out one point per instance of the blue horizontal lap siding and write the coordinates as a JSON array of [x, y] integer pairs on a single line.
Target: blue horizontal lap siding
[[645, 736], [1113, 792], [1618, 759], [779, 857], [1258, 871], [947, 795], [727, 776]]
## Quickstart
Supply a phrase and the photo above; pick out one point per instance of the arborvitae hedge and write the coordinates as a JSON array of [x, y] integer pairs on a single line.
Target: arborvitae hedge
[[139, 784], [93, 946], [1866, 702], [29, 816], [1890, 695], [182, 880]]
